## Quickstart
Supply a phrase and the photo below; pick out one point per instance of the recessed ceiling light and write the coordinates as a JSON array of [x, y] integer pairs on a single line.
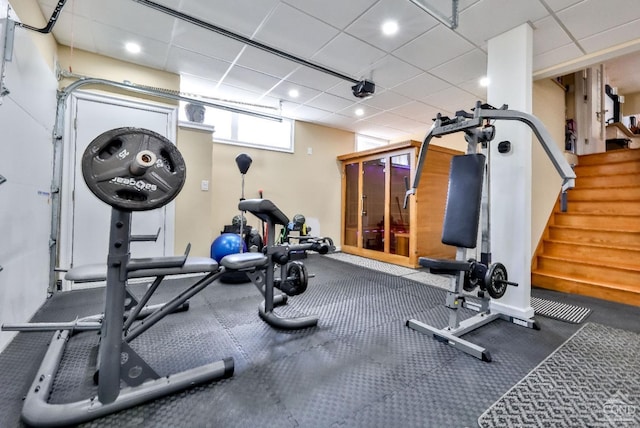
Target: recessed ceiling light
[[133, 47], [389, 28], [359, 112], [294, 93], [484, 81]]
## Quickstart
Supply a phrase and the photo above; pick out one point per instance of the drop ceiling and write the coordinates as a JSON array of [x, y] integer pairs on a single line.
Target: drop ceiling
[[425, 68]]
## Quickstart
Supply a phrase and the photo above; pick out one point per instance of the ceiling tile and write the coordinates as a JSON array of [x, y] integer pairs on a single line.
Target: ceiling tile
[[490, 18], [389, 72], [548, 35], [421, 86], [251, 80], [617, 35], [110, 42], [433, 48], [590, 17], [330, 103], [82, 26], [420, 112], [562, 54], [473, 87], [557, 5], [310, 114], [244, 17], [234, 93], [315, 79], [348, 55], [181, 61], [338, 13], [294, 32], [367, 110], [452, 99], [196, 39], [386, 100], [472, 65], [304, 94], [265, 62], [368, 26]]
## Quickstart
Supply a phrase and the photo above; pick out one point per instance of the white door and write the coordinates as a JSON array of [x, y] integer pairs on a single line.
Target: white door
[[91, 115]]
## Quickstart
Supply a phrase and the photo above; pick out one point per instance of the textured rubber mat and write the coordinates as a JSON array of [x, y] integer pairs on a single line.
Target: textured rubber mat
[[592, 380], [560, 311], [360, 367]]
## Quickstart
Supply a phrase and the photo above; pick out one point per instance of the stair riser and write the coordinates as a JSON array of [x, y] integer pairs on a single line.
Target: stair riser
[[600, 195], [629, 223], [624, 180], [608, 169], [608, 157], [622, 239], [610, 275], [607, 208], [591, 290], [615, 257]]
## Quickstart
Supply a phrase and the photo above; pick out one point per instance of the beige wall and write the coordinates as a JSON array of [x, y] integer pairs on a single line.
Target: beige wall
[[299, 182], [91, 65], [631, 104], [549, 107]]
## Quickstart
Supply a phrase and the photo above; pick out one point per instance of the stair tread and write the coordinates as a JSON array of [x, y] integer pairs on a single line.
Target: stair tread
[[623, 231], [616, 286], [597, 263], [595, 245]]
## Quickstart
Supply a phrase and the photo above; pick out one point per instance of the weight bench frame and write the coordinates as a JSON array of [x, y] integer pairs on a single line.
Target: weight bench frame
[[264, 279], [117, 330]]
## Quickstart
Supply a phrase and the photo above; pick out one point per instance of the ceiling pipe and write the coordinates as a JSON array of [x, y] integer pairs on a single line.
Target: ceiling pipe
[[52, 21], [242, 39], [452, 22]]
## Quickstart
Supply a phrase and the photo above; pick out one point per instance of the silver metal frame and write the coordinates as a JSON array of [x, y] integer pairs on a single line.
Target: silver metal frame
[[455, 297]]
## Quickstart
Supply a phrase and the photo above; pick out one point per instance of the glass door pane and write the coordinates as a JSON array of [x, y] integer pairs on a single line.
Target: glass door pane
[[373, 204], [351, 204], [399, 226]]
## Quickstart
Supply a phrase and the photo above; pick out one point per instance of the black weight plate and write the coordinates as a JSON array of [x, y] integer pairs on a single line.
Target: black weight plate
[[110, 169], [495, 280], [299, 278]]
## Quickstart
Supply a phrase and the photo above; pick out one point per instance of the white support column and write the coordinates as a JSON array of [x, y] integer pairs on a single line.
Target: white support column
[[510, 82]]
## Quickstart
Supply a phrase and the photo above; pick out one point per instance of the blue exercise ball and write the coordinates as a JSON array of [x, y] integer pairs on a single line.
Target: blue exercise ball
[[225, 244]]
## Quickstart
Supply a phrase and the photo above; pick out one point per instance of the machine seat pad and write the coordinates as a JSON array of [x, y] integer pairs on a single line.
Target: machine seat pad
[[444, 266], [265, 210], [241, 261], [98, 271]]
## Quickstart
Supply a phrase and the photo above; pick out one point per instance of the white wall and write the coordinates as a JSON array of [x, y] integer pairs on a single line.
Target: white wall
[[27, 118]]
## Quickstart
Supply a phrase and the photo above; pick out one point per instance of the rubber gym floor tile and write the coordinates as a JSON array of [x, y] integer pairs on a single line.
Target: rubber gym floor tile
[[326, 383], [403, 351], [263, 344]]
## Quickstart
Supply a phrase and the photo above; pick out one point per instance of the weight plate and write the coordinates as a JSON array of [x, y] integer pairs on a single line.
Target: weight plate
[[133, 169], [496, 280], [297, 278]]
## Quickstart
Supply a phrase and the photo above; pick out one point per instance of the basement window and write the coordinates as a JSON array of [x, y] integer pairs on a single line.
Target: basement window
[[239, 129]]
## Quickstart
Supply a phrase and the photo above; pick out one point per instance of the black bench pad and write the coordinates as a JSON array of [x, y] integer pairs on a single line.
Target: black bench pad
[[242, 261], [98, 272], [444, 266]]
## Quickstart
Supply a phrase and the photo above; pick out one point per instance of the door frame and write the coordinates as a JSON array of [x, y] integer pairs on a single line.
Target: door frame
[[65, 239]]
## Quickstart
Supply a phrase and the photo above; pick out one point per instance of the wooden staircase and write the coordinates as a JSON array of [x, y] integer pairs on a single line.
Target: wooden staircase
[[593, 249]]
